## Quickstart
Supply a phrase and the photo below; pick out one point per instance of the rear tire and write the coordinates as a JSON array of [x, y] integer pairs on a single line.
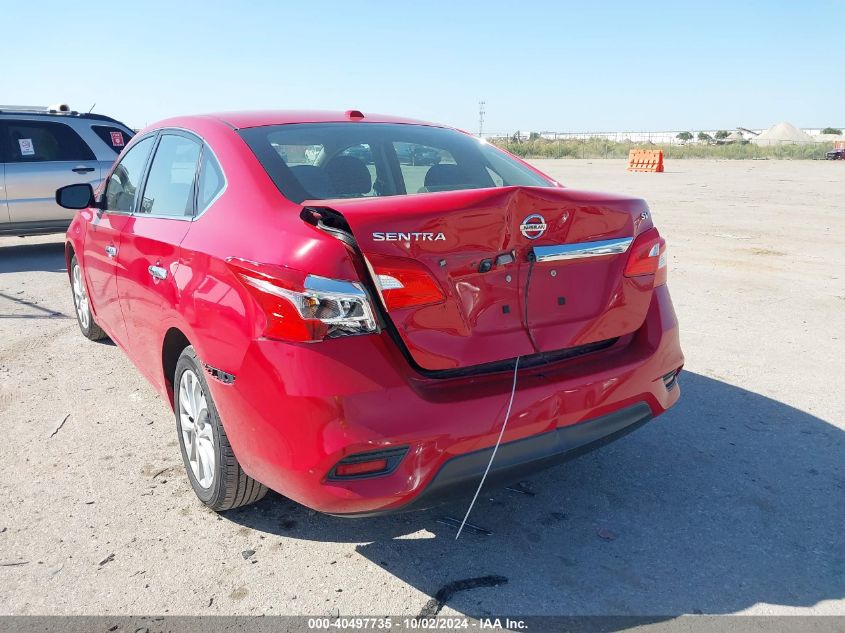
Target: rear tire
[[82, 304], [213, 470]]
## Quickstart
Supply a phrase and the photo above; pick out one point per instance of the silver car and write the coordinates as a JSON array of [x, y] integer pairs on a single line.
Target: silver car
[[42, 149]]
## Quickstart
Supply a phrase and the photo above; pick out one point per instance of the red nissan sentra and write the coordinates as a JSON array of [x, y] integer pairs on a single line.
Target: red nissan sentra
[[342, 306]]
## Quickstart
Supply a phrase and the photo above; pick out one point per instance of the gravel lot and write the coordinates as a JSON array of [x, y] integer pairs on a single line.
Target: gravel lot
[[732, 502]]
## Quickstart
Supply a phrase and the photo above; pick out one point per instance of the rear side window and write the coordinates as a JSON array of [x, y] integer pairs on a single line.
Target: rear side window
[[114, 137], [211, 180], [170, 185], [122, 187], [40, 141]]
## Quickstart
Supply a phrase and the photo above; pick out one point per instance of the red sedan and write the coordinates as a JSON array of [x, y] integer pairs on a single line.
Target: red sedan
[[354, 330]]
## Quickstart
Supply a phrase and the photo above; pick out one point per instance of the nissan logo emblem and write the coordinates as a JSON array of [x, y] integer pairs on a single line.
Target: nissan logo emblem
[[533, 226]]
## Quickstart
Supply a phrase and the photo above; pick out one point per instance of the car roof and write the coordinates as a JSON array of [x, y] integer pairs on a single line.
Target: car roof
[[257, 118]]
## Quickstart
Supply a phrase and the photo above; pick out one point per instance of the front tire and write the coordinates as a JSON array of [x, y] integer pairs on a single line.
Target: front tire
[[213, 470], [82, 304]]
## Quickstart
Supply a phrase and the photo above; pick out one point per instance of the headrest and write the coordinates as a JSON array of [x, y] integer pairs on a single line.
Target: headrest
[[446, 175], [349, 176]]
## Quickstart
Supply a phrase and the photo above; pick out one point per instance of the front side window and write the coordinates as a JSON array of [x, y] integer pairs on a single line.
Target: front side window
[[356, 160], [42, 141], [122, 187], [170, 186]]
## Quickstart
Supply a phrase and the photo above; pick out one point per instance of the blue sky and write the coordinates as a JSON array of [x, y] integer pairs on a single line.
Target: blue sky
[[581, 66]]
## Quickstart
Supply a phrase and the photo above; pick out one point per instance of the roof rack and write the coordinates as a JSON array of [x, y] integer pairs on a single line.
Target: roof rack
[[57, 108], [61, 109]]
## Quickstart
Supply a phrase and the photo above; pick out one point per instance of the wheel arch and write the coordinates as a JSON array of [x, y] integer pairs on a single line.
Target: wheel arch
[[175, 341], [70, 251]]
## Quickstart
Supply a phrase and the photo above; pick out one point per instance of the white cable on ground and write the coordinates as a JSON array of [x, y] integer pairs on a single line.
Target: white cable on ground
[[495, 448]]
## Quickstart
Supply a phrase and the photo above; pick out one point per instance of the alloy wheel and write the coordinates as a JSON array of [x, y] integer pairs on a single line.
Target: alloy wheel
[[80, 298], [197, 432]]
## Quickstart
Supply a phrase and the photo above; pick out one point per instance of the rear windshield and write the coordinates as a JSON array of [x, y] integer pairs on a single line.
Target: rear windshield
[[317, 161]]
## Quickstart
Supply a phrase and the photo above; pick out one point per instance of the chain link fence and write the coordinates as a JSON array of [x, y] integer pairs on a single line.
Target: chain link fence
[[618, 144]]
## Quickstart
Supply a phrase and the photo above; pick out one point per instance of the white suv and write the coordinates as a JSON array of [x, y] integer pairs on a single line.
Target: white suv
[[42, 149]]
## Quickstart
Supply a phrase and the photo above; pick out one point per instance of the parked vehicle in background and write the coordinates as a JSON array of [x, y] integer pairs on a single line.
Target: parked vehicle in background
[[44, 148], [415, 154], [350, 334], [838, 152], [361, 152]]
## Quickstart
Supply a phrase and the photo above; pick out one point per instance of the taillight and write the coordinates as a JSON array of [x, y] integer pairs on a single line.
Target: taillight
[[404, 283], [648, 257], [662, 269], [302, 307]]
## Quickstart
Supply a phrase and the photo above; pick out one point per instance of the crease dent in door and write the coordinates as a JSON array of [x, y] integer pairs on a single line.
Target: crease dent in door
[[149, 303]]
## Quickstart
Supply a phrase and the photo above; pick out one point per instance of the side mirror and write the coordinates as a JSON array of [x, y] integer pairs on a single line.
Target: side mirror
[[78, 196]]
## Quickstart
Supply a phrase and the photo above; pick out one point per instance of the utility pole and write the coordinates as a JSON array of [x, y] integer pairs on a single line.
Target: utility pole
[[481, 119]]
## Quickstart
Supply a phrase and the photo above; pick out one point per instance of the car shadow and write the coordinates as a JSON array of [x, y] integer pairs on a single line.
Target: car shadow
[[32, 257], [42, 256], [728, 500]]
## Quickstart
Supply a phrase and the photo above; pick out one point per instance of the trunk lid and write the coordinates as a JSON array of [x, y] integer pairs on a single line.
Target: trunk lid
[[477, 245]]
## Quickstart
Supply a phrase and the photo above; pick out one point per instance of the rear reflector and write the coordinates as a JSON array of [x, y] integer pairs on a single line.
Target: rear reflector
[[361, 468], [372, 464]]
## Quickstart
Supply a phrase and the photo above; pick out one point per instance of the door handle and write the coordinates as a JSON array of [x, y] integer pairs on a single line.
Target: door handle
[[82, 169], [158, 272], [111, 251]]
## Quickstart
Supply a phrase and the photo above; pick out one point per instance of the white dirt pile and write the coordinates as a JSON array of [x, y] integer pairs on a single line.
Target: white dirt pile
[[782, 134]]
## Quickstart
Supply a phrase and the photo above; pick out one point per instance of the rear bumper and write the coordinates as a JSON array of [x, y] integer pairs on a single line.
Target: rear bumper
[[460, 475], [294, 411]]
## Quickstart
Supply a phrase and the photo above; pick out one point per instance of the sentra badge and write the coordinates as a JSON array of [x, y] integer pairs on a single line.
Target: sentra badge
[[409, 237]]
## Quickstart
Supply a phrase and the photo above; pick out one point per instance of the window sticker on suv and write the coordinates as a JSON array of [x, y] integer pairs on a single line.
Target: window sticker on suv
[[26, 146], [114, 137]]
